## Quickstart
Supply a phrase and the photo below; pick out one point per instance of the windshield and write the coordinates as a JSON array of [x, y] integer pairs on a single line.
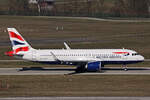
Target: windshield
[[127, 54]]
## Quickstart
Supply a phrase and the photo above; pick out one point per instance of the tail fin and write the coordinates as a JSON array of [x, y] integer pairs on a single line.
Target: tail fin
[[19, 45]]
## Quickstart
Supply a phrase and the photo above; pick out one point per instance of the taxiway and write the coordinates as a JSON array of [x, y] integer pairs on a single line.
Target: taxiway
[[71, 70], [76, 98]]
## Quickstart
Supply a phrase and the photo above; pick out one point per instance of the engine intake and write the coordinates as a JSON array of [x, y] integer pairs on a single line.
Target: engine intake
[[93, 66]]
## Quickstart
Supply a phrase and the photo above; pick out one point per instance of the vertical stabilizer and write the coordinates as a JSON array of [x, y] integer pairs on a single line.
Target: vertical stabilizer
[[19, 45]]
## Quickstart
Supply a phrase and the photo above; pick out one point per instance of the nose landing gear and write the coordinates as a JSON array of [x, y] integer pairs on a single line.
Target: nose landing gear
[[124, 67]]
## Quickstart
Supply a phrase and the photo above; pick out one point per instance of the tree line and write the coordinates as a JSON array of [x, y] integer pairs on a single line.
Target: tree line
[[95, 8]]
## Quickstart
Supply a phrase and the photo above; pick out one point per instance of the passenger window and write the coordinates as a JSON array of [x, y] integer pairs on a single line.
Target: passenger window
[[134, 54]]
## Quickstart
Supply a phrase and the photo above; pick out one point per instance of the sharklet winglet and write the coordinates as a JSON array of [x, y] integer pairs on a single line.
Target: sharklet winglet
[[54, 56]]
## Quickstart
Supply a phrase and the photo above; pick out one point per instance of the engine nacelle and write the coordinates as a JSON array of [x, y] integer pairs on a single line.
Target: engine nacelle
[[93, 66]]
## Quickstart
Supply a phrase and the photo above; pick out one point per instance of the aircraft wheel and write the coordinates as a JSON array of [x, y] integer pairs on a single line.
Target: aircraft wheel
[[80, 69], [126, 69]]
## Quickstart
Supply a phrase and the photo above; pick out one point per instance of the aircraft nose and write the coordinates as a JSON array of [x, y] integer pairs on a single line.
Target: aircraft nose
[[141, 58]]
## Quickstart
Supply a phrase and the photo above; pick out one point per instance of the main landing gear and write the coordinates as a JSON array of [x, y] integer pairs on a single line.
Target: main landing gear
[[80, 69]]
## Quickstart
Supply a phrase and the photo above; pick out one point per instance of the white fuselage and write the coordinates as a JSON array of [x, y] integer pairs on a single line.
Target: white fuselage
[[84, 55]]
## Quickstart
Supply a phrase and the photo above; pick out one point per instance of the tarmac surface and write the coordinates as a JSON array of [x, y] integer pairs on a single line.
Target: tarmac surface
[[81, 39], [68, 70], [71, 71], [76, 98]]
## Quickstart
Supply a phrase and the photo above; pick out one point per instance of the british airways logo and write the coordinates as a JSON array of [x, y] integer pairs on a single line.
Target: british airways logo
[[11, 53], [22, 49], [14, 35], [17, 43]]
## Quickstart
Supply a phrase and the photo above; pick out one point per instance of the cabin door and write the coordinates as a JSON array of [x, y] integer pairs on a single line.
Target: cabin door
[[34, 55]]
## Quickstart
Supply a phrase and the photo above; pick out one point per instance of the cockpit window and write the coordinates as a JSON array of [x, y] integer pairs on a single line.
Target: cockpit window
[[127, 54], [134, 54]]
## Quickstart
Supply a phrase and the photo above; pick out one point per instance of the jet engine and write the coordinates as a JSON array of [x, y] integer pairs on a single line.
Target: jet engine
[[93, 66]]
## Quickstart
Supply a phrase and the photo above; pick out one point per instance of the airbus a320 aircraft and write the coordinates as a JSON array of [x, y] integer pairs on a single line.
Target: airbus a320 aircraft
[[84, 59]]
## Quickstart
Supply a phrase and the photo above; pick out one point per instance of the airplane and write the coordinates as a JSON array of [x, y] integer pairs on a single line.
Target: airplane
[[85, 59]]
